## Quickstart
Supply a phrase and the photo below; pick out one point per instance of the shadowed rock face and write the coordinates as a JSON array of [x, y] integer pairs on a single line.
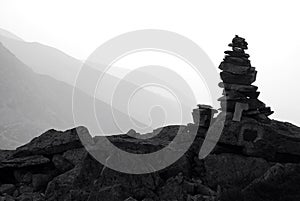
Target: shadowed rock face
[[52, 142], [280, 182], [56, 166]]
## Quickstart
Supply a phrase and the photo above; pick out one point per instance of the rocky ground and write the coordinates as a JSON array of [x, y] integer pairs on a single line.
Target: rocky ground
[[253, 161]]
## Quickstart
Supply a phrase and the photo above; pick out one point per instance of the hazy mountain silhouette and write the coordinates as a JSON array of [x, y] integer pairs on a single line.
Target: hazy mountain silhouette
[[31, 103], [46, 60], [24, 112], [43, 59], [9, 35], [145, 99]]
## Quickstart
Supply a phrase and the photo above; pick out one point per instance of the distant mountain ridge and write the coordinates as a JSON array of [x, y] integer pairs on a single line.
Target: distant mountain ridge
[[31, 103], [44, 59], [52, 62], [10, 35]]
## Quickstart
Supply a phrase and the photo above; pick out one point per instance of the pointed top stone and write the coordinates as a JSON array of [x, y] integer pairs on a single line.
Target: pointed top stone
[[238, 43]]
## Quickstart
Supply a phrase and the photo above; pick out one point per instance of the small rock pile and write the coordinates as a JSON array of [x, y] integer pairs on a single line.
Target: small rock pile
[[240, 96], [203, 115]]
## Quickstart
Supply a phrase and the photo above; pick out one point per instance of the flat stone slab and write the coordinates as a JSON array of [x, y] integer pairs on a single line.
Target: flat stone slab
[[24, 162], [238, 87], [244, 79], [237, 61], [235, 69], [233, 94], [237, 54]]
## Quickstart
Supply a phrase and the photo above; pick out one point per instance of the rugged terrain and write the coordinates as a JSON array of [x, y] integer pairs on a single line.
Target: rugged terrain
[[253, 160]]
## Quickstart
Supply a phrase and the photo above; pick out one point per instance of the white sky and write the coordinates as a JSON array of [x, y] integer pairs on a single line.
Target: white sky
[[270, 27]]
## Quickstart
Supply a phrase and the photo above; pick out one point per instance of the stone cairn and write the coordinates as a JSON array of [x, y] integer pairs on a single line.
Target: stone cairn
[[203, 115], [240, 97]]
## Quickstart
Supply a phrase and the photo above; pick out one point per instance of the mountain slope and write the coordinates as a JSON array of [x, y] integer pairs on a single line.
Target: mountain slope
[[9, 35], [44, 59], [31, 103], [23, 110], [49, 61]]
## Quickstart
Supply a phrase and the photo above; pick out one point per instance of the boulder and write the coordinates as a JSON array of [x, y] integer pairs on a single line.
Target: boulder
[[173, 190], [230, 170], [130, 183], [61, 164], [23, 176], [40, 181], [75, 156], [7, 188], [280, 182], [54, 142], [16, 193], [182, 165], [132, 133], [26, 189], [57, 188], [80, 177]]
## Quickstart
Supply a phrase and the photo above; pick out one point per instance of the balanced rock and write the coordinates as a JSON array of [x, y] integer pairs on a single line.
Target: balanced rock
[[239, 42]]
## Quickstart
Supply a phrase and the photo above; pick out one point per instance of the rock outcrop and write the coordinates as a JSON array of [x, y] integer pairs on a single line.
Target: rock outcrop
[[235, 170]]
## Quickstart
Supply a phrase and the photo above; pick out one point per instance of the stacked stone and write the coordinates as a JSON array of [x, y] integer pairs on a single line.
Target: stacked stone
[[239, 95], [203, 115]]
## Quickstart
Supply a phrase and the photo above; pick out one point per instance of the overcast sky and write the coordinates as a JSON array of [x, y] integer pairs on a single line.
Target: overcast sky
[[270, 27]]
